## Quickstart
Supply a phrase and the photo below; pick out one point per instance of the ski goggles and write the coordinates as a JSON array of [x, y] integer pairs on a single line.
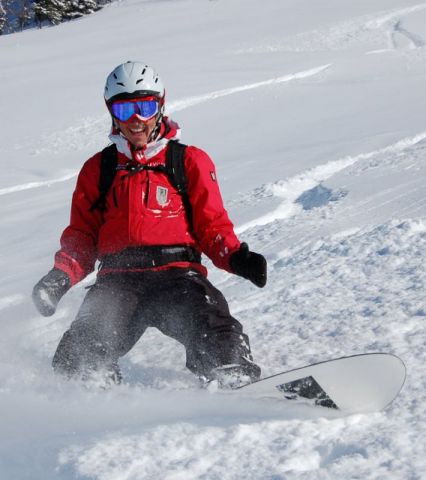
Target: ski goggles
[[125, 110]]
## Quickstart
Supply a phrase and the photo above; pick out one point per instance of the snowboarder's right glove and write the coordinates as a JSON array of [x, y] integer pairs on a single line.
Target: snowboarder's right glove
[[249, 265], [49, 290]]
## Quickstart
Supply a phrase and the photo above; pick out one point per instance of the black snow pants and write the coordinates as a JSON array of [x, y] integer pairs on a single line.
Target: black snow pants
[[181, 303]]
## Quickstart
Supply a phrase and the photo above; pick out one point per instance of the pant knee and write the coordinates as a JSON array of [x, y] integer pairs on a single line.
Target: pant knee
[[78, 351]]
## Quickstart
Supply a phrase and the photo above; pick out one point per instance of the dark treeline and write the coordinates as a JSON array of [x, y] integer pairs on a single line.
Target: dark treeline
[[16, 15]]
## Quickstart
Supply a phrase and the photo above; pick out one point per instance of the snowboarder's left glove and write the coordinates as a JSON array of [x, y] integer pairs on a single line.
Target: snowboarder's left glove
[[49, 290], [249, 265]]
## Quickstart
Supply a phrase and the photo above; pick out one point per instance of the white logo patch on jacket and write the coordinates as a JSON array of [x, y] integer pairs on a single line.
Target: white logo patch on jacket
[[162, 196]]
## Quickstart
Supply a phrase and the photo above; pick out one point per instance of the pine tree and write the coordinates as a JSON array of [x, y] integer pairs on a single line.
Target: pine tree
[[24, 13], [3, 18], [49, 10], [78, 8], [7, 15]]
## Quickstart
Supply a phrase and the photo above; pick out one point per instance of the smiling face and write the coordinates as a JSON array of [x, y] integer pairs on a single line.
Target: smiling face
[[137, 131]]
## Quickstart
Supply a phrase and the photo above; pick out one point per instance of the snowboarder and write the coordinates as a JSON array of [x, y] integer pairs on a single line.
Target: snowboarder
[[148, 230]]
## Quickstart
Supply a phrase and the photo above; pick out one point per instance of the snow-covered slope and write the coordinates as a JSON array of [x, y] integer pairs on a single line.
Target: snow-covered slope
[[315, 115]]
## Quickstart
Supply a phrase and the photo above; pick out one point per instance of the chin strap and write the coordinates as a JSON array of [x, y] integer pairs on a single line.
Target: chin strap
[[156, 132]]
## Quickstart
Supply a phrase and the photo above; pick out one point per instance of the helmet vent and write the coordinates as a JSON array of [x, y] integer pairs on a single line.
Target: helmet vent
[[156, 80], [143, 71], [139, 81], [119, 83], [115, 76]]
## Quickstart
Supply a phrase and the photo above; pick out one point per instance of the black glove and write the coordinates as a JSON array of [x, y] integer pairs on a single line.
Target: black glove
[[249, 265], [49, 290]]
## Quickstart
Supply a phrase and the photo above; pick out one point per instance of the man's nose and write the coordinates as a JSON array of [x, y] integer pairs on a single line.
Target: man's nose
[[136, 119]]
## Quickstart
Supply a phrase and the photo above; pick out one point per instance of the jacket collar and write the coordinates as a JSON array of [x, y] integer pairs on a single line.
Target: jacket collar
[[169, 130]]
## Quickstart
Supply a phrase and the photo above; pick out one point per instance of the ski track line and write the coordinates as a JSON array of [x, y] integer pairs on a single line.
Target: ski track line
[[414, 40], [376, 202], [395, 14], [342, 32], [31, 185], [11, 301], [289, 190], [180, 105]]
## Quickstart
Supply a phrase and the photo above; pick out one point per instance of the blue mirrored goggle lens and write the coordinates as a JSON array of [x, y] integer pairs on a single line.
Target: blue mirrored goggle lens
[[123, 111], [148, 108]]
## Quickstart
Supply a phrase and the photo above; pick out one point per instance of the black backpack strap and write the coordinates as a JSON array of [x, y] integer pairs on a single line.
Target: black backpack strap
[[108, 170], [175, 166], [175, 169]]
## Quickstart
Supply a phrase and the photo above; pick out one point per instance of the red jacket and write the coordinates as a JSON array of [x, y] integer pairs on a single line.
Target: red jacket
[[145, 209]]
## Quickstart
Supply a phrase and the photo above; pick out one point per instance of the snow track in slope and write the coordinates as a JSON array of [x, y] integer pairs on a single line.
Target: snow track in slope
[[92, 130], [381, 29], [291, 189]]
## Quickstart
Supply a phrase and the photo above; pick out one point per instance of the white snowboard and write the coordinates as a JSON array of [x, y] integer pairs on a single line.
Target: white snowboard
[[356, 384]]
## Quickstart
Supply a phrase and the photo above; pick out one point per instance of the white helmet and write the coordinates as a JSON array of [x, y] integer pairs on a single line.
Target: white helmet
[[133, 79]]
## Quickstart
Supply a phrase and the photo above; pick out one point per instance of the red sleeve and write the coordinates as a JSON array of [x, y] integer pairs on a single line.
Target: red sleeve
[[78, 252], [212, 226]]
